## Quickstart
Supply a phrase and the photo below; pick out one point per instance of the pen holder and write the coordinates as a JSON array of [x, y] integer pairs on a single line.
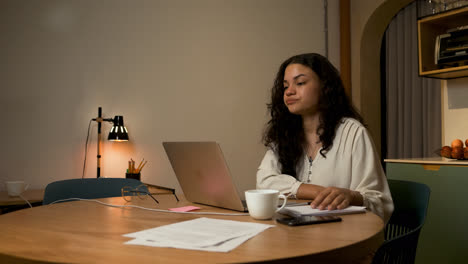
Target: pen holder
[[135, 176]]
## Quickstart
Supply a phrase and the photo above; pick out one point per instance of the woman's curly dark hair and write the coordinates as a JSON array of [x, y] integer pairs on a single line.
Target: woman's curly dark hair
[[284, 131]]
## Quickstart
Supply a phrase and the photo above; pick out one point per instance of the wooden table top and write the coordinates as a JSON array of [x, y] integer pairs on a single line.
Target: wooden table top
[[88, 232], [33, 196]]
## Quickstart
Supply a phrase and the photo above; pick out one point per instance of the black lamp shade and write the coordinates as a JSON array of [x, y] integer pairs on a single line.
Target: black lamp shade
[[118, 131]]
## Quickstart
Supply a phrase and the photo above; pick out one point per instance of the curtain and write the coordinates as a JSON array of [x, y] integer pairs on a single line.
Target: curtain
[[413, 114]]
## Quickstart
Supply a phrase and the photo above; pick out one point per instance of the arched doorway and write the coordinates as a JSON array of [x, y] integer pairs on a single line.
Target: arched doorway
[[370, 79]]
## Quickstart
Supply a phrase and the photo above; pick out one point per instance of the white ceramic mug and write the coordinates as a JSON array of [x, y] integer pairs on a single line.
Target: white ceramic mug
[[263, 204], [15, 188]]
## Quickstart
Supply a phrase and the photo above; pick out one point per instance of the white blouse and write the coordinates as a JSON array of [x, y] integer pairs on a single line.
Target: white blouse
[[351, 163]]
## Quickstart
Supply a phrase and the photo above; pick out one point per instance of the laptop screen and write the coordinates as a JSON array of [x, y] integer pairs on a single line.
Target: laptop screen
[[203, 174]]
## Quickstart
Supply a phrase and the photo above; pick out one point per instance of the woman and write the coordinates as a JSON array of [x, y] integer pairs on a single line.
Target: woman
[[318, 148]]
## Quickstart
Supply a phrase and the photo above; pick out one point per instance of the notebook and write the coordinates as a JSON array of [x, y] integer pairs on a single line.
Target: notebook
[[297, 211], [203, 174]]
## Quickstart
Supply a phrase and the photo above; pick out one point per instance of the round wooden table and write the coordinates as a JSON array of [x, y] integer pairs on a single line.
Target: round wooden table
[[88, 232]]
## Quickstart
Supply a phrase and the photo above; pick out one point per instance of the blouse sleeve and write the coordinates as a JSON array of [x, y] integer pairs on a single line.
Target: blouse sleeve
[[269, 176], [369, 177]]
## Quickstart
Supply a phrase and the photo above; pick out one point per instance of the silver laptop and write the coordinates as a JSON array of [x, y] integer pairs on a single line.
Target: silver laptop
[[203, 174]]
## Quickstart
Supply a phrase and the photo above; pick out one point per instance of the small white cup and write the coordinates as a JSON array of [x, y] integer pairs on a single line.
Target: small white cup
[[263, 204], [15, 188]]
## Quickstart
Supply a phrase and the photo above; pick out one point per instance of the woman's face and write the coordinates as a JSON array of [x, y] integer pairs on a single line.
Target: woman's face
[[301, 89]]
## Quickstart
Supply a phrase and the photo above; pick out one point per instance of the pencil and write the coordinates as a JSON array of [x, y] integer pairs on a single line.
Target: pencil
[[142, 167], [139, 166]]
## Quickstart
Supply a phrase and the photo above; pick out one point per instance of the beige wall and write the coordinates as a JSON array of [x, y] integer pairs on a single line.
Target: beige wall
[[176, 70], [454, 110]]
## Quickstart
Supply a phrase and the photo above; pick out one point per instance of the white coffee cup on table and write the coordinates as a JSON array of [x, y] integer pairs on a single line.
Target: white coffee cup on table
[[263, 204], [16, 188]]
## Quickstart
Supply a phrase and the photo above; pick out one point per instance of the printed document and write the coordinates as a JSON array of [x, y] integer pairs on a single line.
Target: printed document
[[206, 234]]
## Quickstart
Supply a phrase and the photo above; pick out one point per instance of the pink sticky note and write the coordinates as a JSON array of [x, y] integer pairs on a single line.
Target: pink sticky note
[[184, 209]]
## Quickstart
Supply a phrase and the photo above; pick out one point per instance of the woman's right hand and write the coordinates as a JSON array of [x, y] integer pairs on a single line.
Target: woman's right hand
[[332, 198], [329, 198]]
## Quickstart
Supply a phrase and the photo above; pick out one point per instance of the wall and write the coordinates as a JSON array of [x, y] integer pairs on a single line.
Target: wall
[[454, 110], [176, 70]]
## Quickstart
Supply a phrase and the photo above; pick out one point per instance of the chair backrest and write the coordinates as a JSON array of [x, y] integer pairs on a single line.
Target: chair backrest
[[89, 188], [411, 200]]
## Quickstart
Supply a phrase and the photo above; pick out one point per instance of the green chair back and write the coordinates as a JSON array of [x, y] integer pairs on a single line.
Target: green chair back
[[89, 188], [411, 200]]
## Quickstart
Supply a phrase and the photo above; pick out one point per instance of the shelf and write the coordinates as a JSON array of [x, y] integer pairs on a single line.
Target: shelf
[[430, 161], [448, 73], [428, 30]]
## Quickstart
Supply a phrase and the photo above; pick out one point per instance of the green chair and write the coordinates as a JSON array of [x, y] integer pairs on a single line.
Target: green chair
[[89, 188], [411, 200]]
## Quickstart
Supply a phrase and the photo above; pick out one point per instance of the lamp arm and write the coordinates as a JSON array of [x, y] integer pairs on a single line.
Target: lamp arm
[[99, 120]]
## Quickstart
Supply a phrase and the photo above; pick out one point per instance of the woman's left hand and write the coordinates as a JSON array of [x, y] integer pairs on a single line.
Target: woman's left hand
[[332, 198]]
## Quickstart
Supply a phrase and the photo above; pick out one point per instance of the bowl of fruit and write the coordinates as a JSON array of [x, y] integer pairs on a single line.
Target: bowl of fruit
[[455, 151]]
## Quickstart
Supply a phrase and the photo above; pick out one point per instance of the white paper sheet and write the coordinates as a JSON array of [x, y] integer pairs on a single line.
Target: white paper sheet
[[199, 234]]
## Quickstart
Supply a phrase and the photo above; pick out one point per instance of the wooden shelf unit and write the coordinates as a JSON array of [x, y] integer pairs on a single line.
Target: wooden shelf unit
[[428, 30]]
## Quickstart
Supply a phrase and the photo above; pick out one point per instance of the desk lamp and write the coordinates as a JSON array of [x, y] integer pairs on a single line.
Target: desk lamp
[[118, 133]]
